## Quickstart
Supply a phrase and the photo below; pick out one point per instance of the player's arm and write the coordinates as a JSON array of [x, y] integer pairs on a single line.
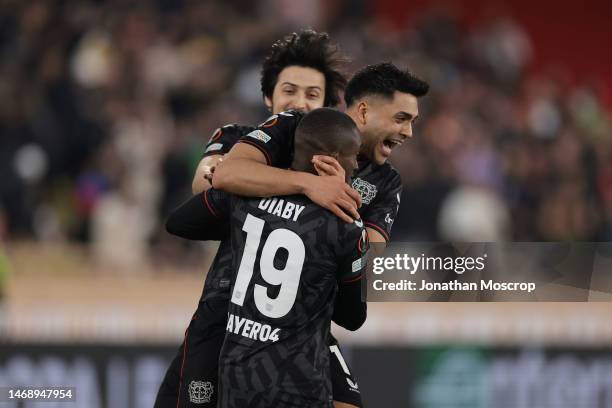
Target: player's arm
[[251, 169], [203, 217], [220, 142], [350, 311], [245, 171]]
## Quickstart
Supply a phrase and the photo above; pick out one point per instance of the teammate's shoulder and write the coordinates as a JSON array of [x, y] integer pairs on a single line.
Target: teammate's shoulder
[[231, 129], [345, 229], [353, 228], [285, 117], [351, 233], [237, 128], [389, 175], [389, 171], [291, 113]]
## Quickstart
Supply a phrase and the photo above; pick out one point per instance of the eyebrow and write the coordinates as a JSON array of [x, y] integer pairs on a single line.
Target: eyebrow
[[297, 86], [408, 115]]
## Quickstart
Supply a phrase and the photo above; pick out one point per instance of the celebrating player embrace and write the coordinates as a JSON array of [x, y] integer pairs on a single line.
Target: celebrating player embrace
[[382, 101], [302, 72], [290, 258]]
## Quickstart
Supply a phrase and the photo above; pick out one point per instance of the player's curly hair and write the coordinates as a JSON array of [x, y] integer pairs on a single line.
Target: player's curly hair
[[311, 49], [383, 79]]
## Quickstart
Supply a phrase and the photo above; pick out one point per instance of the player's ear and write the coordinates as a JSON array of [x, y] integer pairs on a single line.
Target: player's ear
[[362, 111], [268, 102]]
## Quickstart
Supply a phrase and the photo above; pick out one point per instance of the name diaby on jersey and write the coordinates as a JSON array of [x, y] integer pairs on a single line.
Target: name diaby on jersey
[[366, 190]]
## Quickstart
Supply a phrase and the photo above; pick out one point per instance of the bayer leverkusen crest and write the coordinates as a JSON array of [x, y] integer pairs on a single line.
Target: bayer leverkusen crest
[[200, 392], [366, 190]]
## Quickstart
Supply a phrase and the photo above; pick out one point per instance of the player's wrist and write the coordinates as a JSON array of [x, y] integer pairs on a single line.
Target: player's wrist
[[302, 181]]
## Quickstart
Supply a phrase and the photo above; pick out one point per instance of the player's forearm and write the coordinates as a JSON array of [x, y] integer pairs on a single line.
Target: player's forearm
[[253, 179], [193, 221]]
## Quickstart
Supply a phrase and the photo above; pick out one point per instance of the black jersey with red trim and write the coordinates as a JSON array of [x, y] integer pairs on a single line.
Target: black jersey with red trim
[[224, 138], [217, 281], [290, 255], [380, 186]]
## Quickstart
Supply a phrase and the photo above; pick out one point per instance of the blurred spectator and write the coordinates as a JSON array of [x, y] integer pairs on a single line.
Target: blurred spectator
[[106, 105]]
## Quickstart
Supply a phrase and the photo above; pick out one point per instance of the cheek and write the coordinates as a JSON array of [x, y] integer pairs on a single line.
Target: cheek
[[378, 130], [280, 103], [388, 129], [317, 103]]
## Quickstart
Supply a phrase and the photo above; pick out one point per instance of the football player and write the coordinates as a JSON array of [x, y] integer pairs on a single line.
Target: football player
[[303, 71], [289, 257]]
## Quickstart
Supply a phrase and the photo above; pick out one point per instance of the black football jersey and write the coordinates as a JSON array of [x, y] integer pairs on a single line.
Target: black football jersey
[[289, 256], [217, 279], [380, 187]]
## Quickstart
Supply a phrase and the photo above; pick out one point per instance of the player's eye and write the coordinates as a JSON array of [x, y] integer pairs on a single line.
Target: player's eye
[[313, 95], [289, 91]]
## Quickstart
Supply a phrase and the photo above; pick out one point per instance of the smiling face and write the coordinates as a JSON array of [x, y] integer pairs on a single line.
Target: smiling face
[[385, 123], [298, 88]]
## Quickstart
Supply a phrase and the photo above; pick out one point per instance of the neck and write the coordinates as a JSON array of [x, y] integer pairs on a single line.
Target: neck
[[353, 114]]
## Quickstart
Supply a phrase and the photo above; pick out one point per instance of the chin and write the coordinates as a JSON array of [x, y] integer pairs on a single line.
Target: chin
[[380, 160]]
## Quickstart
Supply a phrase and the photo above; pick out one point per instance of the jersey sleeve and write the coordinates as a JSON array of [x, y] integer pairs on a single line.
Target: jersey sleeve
[[203, 217], [274, 138], [222, 140], [353, 251], [381, 214], [349, 309]]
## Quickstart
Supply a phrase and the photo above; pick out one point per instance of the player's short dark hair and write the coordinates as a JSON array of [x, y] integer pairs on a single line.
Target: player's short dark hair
[[310, 49], [383, 80], [324, 131]]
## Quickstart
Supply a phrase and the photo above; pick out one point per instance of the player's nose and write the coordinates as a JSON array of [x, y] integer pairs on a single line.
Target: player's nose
[[300, 104], [406, 131]]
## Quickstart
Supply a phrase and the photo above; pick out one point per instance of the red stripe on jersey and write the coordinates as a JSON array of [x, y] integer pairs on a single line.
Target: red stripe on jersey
[[210, 207], [178, 400], [355, 279]]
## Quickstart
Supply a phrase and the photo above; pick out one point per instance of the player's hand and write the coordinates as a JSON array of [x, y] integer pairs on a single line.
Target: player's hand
[[328, 166], [210, 170], [333, 193]]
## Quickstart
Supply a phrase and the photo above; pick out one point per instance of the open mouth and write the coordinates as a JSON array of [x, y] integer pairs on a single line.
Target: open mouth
[[391, 143], [388, 145]]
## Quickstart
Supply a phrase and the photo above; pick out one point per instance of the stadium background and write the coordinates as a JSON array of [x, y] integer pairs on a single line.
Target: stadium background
[[105, 107]]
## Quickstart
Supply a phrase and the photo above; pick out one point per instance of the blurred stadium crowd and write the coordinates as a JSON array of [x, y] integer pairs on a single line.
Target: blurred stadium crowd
[[105, 107]]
